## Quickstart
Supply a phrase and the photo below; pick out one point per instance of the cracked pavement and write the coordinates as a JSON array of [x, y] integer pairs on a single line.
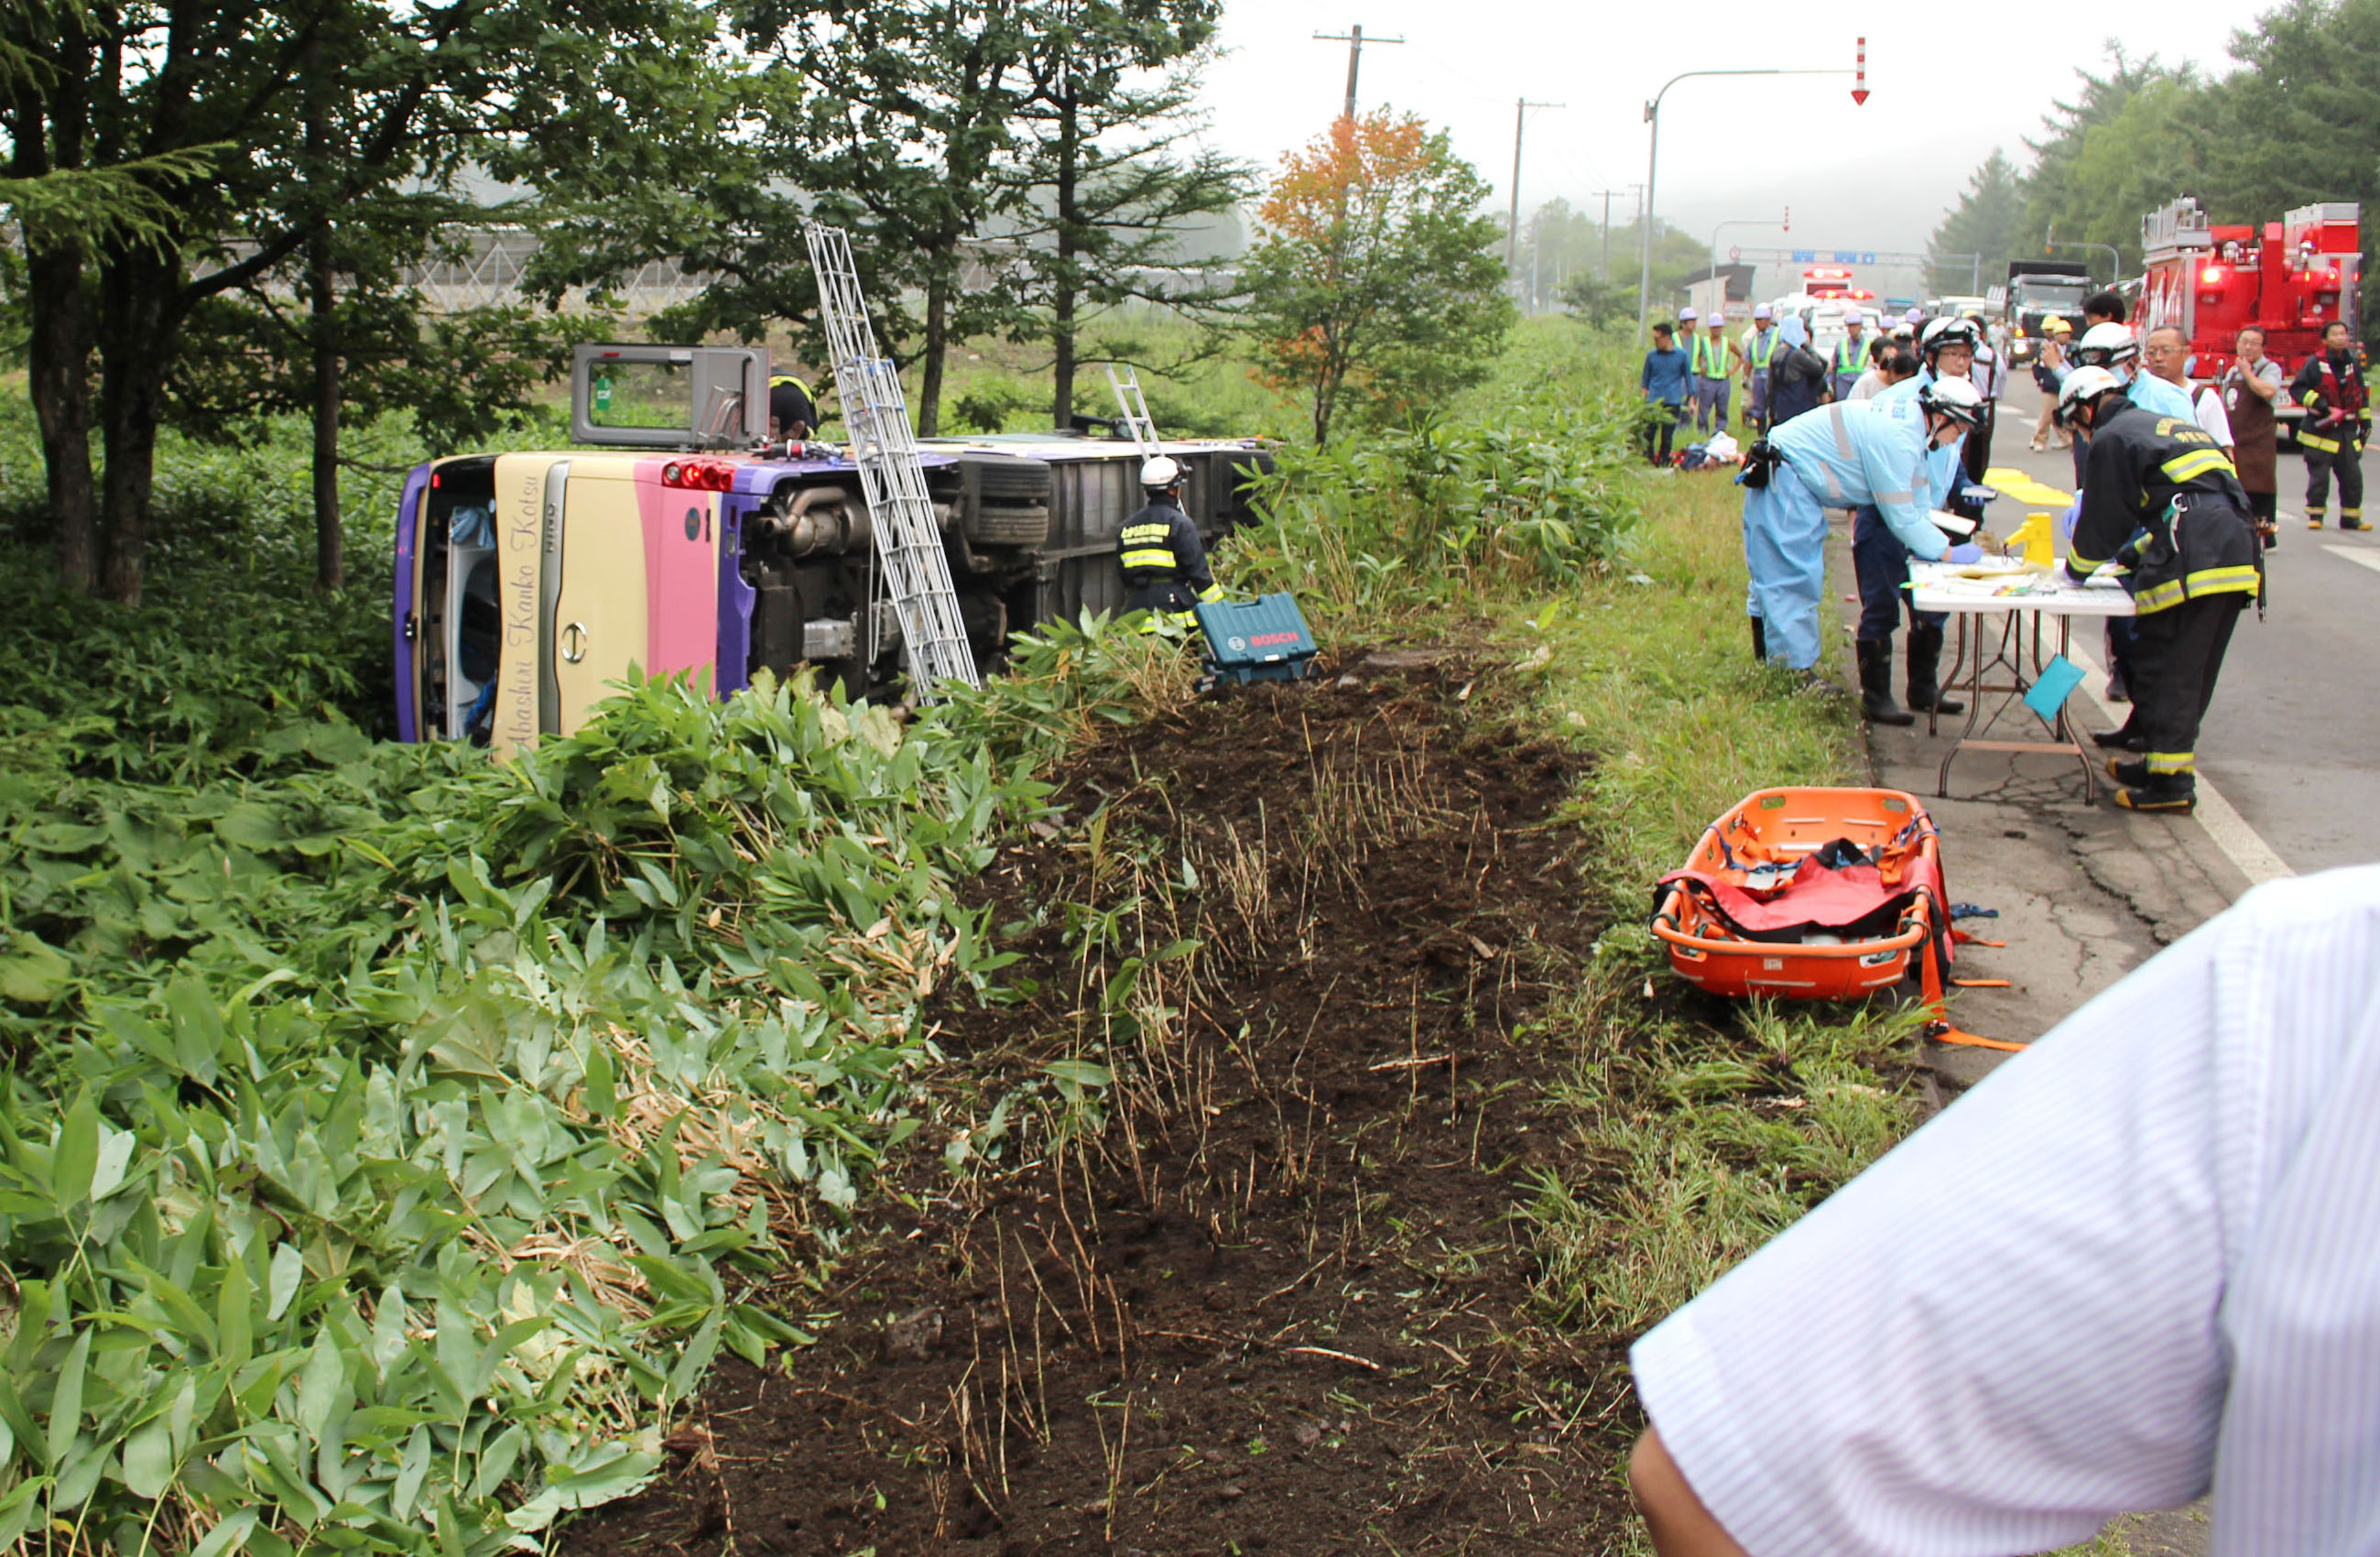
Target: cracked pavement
[[2084, 893]]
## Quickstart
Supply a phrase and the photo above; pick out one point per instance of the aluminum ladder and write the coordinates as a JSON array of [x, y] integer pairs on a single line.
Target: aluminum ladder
[[1135, 407], [908, 537]]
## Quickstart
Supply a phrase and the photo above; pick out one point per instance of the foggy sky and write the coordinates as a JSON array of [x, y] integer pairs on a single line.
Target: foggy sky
[[1950, 83]]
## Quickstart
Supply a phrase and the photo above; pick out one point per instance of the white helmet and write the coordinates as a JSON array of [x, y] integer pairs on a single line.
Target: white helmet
[[2085, 385], [1160, 473], [1957, 398], [1687, 315], [2106, 346], [1940, 333]]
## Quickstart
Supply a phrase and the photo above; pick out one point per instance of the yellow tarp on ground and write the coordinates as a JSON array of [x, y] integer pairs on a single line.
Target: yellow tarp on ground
[[2015, 484]]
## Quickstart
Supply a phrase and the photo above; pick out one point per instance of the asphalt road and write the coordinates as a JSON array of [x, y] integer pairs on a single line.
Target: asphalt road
[[2293, 737]]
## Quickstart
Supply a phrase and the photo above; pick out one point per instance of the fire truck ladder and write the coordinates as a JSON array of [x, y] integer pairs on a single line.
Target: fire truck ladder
[[908, 539], [1136, 420]]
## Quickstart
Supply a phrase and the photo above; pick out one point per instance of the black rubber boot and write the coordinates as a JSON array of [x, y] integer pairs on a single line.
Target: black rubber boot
[[2125, 739], [2174, 793], [1926, 672], [1759, 641], [1875, 684]]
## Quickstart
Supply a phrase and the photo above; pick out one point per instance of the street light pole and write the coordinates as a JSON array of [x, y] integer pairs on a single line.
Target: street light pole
[[1652, 172], [2115, 260]]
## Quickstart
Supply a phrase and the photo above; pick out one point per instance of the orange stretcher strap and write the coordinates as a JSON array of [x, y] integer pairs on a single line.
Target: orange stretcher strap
[[1943, 1032]]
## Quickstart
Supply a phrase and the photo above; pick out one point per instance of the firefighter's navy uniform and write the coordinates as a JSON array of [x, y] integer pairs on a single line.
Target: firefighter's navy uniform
[[1165, 563], [2161, 496], [791, 404], [2337, 424]]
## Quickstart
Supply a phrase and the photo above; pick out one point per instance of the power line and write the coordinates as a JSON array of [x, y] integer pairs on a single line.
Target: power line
[[1354, 39]]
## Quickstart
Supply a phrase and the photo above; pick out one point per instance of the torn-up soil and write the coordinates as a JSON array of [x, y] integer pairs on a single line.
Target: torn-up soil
[[1266, 1291]]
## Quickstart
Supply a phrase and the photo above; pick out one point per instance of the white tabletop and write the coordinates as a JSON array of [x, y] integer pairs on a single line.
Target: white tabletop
[[2007, 584]]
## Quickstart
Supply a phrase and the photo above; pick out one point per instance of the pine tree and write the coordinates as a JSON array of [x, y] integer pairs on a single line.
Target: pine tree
[[1971, 249]]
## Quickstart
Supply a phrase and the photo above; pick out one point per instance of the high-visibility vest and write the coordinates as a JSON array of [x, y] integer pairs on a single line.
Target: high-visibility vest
[[1850, 356], [1709, 359], [1763, 345]]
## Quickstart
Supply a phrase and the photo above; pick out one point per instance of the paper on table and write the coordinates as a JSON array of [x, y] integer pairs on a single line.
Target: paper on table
[[1954, 523]]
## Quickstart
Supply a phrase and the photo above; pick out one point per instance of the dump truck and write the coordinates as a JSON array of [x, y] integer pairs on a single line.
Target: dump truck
[[2039, 290], [675, 538]]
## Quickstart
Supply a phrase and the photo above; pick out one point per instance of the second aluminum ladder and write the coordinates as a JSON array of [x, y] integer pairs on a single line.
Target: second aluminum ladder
[[908, 537]]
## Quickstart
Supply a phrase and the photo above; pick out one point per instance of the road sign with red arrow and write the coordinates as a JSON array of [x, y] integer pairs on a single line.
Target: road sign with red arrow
[[1859, 92]]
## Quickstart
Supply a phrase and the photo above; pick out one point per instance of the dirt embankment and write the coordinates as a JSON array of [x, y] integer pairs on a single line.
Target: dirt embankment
[[1266, 1292]]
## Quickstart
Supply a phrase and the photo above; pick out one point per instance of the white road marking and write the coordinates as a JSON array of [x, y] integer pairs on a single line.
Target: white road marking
[[2369, 558], [2240, 844]]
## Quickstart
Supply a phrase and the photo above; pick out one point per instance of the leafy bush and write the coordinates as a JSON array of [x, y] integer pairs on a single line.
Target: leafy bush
[[992, 401], [1533, 488], [388, 1128]]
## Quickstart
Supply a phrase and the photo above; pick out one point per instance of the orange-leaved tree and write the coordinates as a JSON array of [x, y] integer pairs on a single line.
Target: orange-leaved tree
[[1374, 288]]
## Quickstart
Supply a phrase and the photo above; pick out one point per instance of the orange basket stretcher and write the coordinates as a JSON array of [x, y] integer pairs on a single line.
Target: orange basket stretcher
[[1810, 893]]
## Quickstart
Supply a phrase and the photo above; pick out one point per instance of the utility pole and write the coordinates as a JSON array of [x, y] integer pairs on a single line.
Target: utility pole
[[1521, 107], [1607, 195], [1354, 39]]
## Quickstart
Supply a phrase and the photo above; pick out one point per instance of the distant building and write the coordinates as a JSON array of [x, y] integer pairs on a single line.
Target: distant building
[[1731, 284]]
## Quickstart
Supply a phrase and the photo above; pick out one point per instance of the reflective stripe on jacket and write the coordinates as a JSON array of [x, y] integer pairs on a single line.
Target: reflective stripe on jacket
[[2159, 495], [2337, 409], [1161, 545]]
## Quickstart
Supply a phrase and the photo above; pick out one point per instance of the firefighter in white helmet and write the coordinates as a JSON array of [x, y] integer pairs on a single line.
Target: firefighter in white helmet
[[1165, 563]]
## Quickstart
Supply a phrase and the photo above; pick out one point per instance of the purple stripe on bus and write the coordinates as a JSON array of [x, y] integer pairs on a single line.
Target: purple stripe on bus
[[735, 596], [408, 513]]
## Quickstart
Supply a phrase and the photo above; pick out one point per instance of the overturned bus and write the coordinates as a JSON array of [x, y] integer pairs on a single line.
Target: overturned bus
[[678, 539]]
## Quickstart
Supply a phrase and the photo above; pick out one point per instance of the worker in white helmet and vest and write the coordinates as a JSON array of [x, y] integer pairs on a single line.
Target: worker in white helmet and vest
[[1756, 349], [1850, 358], [1165, 562]]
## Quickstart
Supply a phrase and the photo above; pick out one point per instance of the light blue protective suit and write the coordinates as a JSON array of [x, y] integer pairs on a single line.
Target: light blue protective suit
[[1837, 457], [2158, 398], [1945, 465]]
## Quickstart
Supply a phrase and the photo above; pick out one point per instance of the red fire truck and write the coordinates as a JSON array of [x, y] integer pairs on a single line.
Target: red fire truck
[[2289, 277]]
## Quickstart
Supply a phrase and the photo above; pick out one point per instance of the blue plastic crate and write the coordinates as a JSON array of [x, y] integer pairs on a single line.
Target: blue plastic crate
[[1263, 639]]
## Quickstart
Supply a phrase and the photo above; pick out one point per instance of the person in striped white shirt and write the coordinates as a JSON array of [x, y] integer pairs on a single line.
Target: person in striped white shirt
[[2138, 1264]]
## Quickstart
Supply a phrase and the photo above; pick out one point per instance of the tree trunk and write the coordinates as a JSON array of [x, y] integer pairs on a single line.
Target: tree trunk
[[1063, 289], [49, 131], [930, 372], [330, 563], [58, 355], [138, 318]]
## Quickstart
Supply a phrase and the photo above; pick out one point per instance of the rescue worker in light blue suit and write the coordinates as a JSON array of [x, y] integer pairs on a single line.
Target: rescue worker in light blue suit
[[1880, 561], [1948, 348], [1836, 457], [2115, 348]]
